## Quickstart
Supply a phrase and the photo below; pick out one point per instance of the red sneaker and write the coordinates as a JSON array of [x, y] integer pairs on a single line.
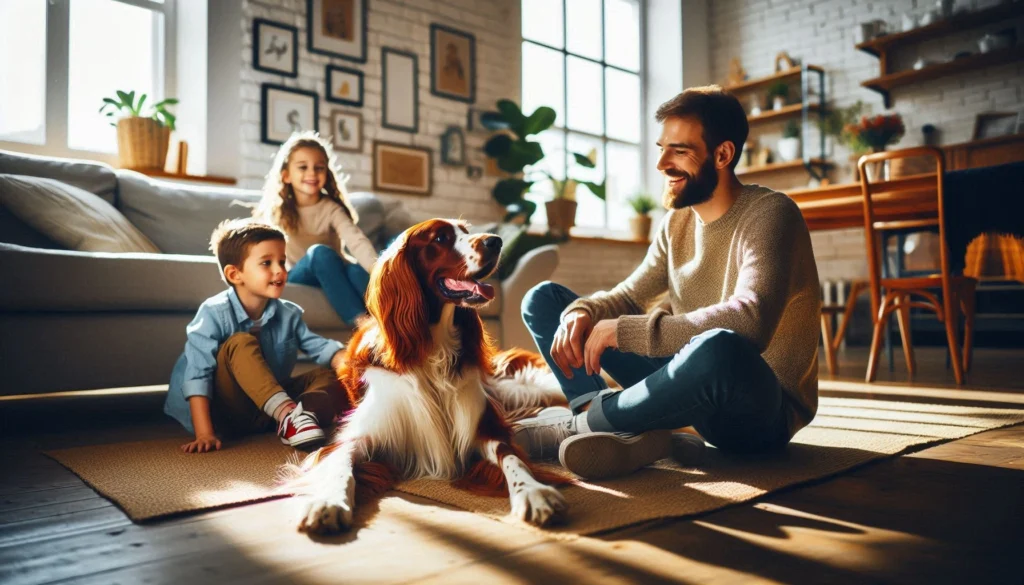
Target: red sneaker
[[301, 429]]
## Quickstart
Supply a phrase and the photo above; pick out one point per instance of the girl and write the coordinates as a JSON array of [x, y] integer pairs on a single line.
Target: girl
[[306, 199]]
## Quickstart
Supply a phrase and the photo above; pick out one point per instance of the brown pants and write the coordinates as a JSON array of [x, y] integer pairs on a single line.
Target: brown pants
[[243, 384]]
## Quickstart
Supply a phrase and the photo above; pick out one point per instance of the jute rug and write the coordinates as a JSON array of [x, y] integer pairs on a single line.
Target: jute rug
[[151, 479]]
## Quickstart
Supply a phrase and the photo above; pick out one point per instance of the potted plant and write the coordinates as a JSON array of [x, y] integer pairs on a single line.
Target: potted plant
[[778, 92], [142, 138], [640, 224], [513, 151], [789, 144]]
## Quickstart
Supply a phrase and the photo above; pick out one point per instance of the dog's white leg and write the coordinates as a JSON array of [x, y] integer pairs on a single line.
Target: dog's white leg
[[331, 491], [531, 500]]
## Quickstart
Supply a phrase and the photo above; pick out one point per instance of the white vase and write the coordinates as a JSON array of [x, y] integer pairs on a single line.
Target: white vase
[[789, 149], [778, 102]]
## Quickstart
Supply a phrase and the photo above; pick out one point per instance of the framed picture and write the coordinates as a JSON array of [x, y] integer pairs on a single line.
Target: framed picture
[[274, 47], [401, 90], [337, 28], [992, 124], [285, 110], [347, 131], [401, 168], [453, 146], [344, 86], [452, 64]]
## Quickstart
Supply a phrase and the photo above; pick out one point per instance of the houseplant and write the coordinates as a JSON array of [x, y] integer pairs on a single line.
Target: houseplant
[[778, 92], [640, 224], [874, 134], [142, 138], [789, 144]]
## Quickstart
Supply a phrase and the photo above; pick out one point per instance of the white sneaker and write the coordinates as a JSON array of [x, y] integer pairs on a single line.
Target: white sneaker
[[541, 435], [300, 429]]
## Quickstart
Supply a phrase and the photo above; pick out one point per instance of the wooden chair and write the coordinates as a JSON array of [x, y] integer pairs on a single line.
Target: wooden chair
[[957, 291], [830, 341]]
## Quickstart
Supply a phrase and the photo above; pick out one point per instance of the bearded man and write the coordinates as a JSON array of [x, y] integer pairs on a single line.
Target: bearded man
[[717, 329]]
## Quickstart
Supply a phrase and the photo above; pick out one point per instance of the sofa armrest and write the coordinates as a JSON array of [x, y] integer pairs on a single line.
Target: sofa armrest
[[534, 267]]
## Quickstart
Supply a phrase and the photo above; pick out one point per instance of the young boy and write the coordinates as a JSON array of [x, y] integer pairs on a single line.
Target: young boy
[[234, 377]]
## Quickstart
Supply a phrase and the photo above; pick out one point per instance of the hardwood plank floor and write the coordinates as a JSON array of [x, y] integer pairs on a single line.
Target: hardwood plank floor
[[953, 513]]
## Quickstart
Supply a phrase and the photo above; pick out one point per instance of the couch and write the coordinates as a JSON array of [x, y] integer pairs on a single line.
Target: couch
[[73, 320]]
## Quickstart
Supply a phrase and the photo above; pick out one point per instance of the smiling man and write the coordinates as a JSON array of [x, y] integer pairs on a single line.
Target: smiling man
[[717, 329]]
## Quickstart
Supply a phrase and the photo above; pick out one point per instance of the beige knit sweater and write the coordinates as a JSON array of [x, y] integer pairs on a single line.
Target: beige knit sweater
[[325, 222], [751, 271]]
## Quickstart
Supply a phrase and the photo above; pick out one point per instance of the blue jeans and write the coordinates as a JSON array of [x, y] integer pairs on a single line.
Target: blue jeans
[[718, 383], [343, 283]]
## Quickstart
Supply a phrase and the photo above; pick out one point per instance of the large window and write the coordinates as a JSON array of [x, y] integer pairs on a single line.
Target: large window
[[67, 55], [582, 58]]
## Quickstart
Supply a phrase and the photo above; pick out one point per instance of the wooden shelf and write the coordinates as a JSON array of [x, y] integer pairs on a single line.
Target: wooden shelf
[[781, 166], [886, 83], [762, 81], [959, 22], [161, 174], [792, 110]]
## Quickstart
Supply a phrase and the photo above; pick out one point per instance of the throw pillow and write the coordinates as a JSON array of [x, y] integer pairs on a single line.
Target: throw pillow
[[71, 216]]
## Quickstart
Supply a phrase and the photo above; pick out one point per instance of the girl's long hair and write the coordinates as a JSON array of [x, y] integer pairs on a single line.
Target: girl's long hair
[[277, 205]]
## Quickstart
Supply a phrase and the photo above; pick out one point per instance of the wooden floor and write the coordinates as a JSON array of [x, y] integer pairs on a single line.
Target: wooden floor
[[948, 514]]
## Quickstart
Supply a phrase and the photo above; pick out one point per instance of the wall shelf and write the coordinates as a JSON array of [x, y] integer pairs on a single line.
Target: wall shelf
[[162, 174], [783, 166], [959, 22], [790, 111], [751, 84]]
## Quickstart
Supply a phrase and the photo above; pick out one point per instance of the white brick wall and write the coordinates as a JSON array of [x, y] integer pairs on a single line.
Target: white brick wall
[[821, 33], [586, 266]]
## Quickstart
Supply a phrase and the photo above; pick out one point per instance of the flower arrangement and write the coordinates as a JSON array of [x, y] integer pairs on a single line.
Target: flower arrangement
[[874, 133]]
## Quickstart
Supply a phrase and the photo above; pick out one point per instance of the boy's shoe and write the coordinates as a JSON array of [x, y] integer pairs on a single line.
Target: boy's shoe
[[603, 455], [687, 449], [300, 429], [540, 436]]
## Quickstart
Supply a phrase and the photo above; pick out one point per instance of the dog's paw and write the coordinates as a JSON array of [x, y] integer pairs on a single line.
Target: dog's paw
[[539, 505], [326, 516]]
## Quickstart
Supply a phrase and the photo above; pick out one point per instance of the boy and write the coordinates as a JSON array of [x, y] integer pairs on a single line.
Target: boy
[[235, 373]]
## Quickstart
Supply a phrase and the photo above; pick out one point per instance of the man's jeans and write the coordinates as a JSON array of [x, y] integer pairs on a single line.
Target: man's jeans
[[718, 383]]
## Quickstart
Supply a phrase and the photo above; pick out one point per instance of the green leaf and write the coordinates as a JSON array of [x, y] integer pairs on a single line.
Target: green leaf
[[582, 160], [131, 100], [126, 101], [513, 115], [498, 146], [521, 153], [540, 120], [509, 191], [138, 107], [168, 102], [523, 207], [598, 189]]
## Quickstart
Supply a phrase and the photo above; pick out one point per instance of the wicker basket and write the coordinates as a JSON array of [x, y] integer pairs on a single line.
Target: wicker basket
[[142, 143]]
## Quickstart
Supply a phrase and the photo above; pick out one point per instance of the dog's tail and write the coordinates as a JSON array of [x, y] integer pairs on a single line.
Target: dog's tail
[[523, 384]]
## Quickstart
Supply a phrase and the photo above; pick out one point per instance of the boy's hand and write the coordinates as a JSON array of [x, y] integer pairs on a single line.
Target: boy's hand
[[337, 360], [202, 444]]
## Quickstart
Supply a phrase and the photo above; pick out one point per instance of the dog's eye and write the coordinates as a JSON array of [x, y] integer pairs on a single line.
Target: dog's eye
[[441, 238]]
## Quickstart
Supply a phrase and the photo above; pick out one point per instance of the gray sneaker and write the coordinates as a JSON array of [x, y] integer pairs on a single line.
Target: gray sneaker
[[540, 436], [603, 455]]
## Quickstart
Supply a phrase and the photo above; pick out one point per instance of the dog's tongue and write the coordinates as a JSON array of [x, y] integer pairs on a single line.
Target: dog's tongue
[[476, 288]]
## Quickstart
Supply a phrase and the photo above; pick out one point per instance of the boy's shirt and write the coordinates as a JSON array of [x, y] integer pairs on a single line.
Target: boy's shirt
[[281, 332]]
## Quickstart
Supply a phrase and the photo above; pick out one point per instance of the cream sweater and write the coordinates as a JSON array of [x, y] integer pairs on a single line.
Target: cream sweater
[[325, 222], [751, 271]]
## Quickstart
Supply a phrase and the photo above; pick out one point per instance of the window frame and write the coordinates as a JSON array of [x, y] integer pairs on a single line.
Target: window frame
[[58, 36], [603, 137]]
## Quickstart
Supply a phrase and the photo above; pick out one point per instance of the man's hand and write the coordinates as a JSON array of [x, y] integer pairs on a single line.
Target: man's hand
[[337, 360], [567, 348], [601, 338], [202, 444]]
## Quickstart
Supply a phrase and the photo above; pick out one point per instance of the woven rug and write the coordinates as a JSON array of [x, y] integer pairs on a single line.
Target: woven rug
[[152, 479]]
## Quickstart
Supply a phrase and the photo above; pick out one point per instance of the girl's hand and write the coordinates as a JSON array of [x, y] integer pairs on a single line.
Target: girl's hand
[[202, 444]]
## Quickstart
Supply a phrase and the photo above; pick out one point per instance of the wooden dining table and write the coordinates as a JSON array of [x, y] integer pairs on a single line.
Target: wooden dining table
[[842, 206]]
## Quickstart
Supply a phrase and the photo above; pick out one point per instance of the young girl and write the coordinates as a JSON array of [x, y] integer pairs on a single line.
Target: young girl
[[304, 197]]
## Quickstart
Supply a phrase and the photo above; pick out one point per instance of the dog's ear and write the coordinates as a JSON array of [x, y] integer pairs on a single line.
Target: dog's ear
[[395, 300]]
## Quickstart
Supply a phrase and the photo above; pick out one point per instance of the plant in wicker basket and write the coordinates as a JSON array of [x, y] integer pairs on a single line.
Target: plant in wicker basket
[[142, 138]]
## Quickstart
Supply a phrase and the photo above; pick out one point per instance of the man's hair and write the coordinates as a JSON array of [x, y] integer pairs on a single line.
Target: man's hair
[[233, 238], [720, 114]]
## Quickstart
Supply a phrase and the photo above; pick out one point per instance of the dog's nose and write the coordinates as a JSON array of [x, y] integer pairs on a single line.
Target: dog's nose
[[492, 243]]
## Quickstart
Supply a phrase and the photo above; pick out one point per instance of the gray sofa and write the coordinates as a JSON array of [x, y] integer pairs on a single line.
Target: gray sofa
[[83, 320]]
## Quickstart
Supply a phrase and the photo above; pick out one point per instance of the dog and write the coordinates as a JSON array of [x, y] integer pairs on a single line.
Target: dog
[[428, 394]]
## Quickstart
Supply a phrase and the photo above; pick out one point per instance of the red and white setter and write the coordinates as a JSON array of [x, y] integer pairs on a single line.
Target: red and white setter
[[428, 391]]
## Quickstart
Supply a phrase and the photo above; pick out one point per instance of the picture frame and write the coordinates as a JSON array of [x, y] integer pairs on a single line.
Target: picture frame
[[402, 168], [453, 147], [275, 47], [337, 28], [992, 124], [452, 63], [400, 89], [347, 131], [284, 110], [343, 86]]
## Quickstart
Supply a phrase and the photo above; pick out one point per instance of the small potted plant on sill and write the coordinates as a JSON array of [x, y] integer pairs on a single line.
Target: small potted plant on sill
[[142, 139], [778, 93], [789, 144], [640, 224]]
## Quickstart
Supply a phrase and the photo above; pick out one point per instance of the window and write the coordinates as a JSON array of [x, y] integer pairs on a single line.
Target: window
[[582, 58], [105, 45]]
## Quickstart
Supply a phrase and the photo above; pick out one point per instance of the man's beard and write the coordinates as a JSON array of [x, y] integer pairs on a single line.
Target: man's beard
[[696, 190]]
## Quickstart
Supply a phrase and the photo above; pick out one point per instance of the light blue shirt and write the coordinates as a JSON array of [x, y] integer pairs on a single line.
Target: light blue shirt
[[282, 333]]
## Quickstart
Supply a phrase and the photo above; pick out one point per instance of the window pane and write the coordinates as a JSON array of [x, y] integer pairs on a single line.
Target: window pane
[[624, 181], [543, 80], [586, 97], [623, 110], [590, 210], [99, 64], [542, 21], [584, 30], [23, 58], [622, 33], [553, 143]]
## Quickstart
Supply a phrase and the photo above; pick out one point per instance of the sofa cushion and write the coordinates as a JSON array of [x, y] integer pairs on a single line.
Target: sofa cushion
[[70, 216], [179, 218], [15, 231], [96, 178]]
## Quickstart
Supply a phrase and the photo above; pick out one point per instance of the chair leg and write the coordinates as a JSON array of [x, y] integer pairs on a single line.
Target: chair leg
[[950, 310], [903, 318], [967, 302], [826, 342], [876, 339]]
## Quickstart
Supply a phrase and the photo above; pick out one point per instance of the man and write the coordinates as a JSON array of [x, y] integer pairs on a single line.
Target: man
[[732, 350]]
